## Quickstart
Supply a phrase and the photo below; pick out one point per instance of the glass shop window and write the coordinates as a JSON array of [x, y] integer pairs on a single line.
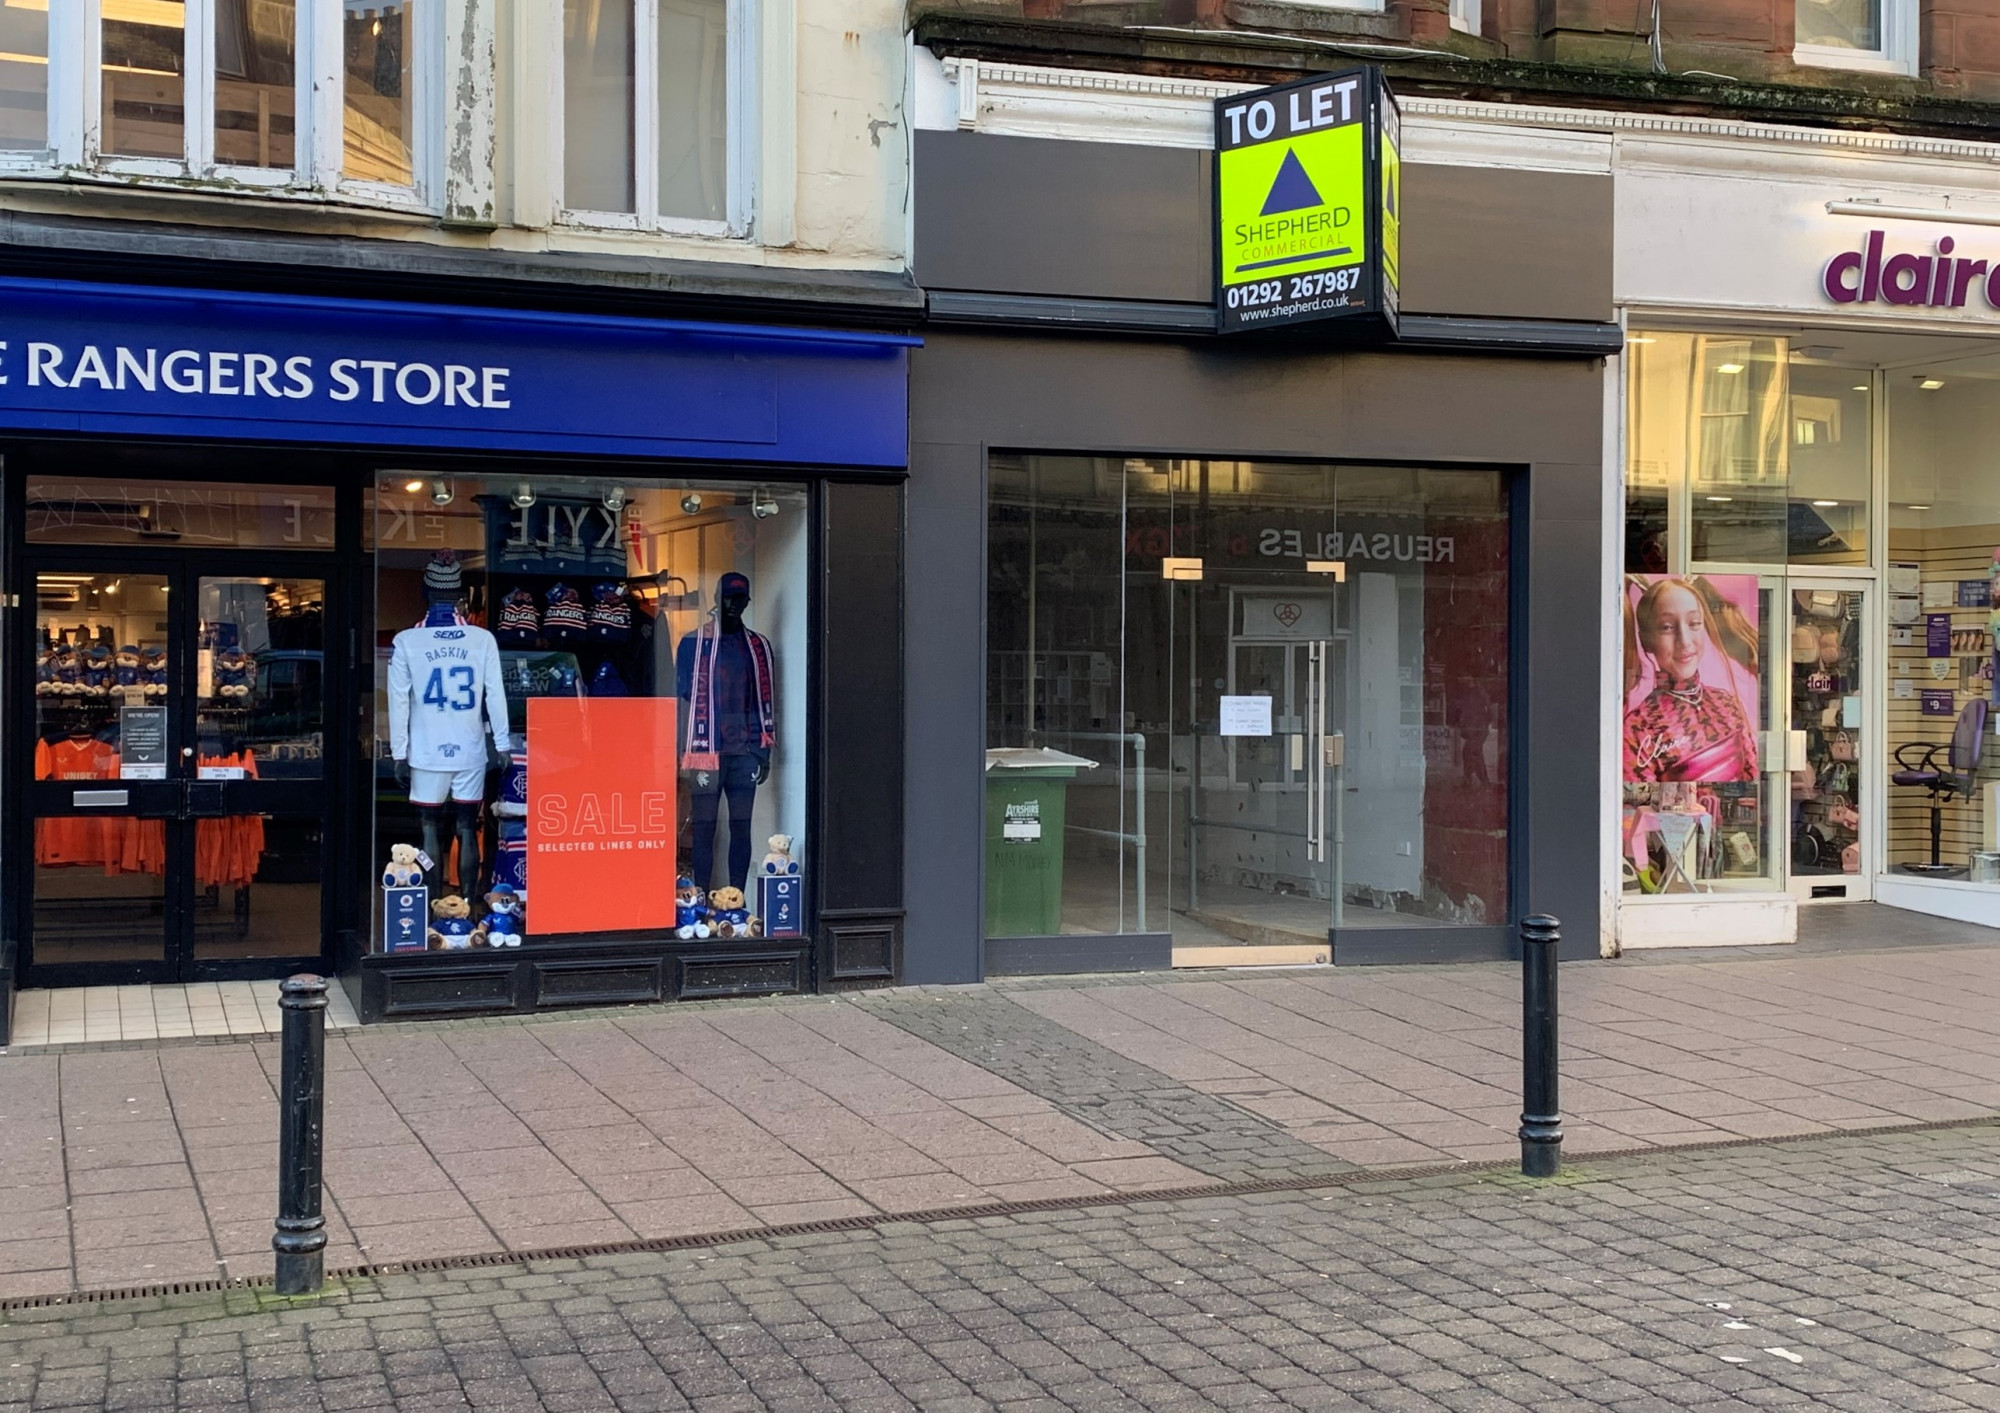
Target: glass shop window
[[1244, 702], [1943, 771], [589, 711], [1748, 464]]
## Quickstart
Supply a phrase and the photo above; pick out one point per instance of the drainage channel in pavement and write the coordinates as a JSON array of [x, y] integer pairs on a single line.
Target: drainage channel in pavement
[[697, 1241]]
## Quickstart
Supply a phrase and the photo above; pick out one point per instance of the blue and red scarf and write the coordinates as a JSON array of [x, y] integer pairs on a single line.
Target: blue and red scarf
[[698, 752]]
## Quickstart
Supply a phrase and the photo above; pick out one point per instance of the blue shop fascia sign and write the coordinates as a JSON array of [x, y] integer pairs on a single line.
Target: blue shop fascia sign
[[124, 359]]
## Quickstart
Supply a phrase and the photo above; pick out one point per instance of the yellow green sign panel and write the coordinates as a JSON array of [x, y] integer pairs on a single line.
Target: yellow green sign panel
[[1306, 198]]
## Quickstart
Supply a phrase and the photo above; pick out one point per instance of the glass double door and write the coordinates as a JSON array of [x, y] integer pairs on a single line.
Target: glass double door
[[1259, 731], [177, 809]]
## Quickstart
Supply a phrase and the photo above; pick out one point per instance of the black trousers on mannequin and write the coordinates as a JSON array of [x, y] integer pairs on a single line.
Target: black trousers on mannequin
[[736, 784], [466, 814]]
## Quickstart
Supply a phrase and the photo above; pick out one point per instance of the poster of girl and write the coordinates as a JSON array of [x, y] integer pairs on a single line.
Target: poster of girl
[[1691, 678]]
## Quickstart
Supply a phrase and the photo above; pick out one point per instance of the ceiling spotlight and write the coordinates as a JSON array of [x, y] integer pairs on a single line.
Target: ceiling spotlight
[[1861, 387], [412, 487], [1823, 504], [1919, 507], [1930, 384], [441, 493], [691, 503], [524, 495], [1729, 367], [1640, 338], [762, 505], [1722, 500], [614, 499]]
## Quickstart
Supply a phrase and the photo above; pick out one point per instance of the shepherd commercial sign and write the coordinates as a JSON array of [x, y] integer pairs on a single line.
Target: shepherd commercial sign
[[1308, 195]]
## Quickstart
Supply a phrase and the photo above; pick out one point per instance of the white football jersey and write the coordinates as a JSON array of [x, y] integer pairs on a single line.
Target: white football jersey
[[444, 688]]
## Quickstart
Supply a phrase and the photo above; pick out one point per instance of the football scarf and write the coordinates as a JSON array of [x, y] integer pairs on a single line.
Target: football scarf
[[699, 751]]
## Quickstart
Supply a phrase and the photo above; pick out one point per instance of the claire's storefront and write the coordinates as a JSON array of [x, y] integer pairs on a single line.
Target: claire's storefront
[[487, 658]]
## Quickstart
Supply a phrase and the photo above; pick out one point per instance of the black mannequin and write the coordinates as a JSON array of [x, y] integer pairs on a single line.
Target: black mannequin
[[729, 617], [724, 682]]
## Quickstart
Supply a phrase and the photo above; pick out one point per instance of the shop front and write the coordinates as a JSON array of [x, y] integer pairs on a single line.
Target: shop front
[[1281, 661], [1811, 532], [491, 659]]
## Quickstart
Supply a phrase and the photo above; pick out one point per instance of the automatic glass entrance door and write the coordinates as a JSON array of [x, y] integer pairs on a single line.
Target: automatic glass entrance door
[[177, 809]]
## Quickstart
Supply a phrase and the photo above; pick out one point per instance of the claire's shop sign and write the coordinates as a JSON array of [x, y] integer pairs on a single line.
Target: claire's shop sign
[[1938, 278]]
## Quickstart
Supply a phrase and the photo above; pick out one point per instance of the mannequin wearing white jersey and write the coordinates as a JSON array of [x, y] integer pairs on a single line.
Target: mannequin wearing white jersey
[[444, 694]]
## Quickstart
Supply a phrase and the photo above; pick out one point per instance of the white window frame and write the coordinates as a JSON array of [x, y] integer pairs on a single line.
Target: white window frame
[[1466, 17], [1898, 55], [1352, 7], [739, 141], [75, 112]]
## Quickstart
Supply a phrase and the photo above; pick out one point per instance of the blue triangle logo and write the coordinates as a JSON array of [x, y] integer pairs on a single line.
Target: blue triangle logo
[[1292, 190]]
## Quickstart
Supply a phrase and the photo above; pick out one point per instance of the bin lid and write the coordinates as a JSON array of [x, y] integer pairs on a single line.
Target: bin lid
[[1040, 758]]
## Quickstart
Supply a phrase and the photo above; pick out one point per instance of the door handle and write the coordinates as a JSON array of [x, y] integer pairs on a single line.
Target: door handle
[[1336, 749], [1316, 777]]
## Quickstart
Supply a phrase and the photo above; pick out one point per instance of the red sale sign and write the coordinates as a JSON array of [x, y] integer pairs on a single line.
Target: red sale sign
[[601, 774]]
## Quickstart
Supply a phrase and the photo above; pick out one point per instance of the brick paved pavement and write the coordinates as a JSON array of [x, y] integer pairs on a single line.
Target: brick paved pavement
[[1855, 1273], [155, 1163]]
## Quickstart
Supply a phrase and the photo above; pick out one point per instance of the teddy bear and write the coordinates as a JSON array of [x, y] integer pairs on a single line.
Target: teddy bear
[[504, 921], [732, 918], [451, 927], [65, 673], [155, 662], [234, 670], [131, 674], [780, 859], [402, 870], [99, 670], [691, 916]]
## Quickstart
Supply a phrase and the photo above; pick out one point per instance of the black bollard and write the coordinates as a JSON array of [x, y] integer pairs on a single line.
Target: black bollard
[[1541, 1112], [300, 1238]]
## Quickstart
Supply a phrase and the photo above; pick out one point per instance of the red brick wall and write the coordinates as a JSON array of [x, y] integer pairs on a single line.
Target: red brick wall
[[1750, 39]]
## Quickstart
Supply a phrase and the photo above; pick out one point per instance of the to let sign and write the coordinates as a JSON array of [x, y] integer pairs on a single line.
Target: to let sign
[[1308, 196]]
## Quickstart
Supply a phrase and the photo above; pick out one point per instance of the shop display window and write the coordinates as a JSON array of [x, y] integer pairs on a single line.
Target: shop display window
[[1244, 702], [1942, 770], [1743, 725], [590, 709]]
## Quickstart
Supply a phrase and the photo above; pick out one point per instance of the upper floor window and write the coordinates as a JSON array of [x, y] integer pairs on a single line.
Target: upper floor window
[[1878, 36], [264, 93], [653, 109]]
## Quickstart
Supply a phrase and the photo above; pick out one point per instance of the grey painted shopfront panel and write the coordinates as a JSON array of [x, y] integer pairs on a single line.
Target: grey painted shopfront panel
[[973, 392], [1023, 215]]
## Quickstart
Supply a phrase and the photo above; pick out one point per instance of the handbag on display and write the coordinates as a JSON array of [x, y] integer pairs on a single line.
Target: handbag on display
[[1850, 859], [1840, 746]]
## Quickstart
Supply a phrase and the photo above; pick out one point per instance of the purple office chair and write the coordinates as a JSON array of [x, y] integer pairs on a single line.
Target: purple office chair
[[1968, 738]]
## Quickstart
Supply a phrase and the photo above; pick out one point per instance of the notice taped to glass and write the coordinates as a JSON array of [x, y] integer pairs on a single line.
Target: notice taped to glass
[[1308, 198], [142, 743]]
